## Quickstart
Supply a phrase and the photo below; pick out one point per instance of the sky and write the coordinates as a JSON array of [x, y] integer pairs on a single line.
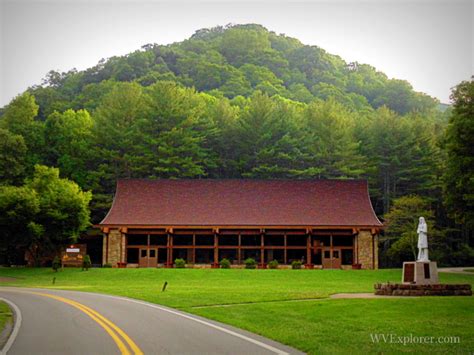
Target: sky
[[429, 43]]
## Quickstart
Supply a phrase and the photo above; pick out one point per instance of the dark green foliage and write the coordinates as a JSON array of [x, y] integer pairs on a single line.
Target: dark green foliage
[[459, 173], [250, 263], [56, 264], [224, 263], [107, 265], [400, 240], [86, 262], [179, 263], [273, 264], [296, 264]]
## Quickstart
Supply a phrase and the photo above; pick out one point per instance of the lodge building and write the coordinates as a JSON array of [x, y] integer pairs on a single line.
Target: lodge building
[[323, 223]]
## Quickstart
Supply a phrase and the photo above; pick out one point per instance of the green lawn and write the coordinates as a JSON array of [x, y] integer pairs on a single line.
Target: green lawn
[[5, 315], [287, 305]]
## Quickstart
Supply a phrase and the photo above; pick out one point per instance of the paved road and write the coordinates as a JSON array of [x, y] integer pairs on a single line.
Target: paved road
[[69, 322], [457, 270]]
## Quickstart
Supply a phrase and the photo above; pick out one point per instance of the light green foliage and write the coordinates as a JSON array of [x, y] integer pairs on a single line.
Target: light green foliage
[[12, 157], [44, 214], [69, 144], [19, 118]]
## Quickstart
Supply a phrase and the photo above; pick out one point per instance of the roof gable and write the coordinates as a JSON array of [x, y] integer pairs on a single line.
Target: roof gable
[[209, 202]]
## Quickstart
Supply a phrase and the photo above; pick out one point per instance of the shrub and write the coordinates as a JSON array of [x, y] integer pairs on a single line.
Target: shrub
[[179, 263], [108, 265], [296, 264], [86, 262], [56, 263], [273, 264], [225, 263], [250, 263]]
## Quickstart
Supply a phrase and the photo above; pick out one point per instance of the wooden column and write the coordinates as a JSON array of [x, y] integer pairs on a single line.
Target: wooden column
[[309, 254], [194, 250], [285, 259], [148, 250], [262, 249], [330, 248], [216, 251], [239, 250], [169, 262]]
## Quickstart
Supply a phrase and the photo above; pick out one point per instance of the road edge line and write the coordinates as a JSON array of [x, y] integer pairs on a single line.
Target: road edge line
[[16, 326], [209, 324]]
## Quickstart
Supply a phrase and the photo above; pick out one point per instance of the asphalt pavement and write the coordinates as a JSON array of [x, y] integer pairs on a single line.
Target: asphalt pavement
[[70, 322]]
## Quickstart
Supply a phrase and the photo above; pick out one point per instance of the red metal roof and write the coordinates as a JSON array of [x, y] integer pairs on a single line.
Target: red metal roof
[[242, 203]]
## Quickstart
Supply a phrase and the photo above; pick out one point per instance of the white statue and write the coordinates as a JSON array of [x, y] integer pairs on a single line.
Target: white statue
[[422, 240]]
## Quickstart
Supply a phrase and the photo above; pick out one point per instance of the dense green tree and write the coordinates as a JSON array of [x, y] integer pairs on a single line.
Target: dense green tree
[[19, 118], [400, 238], [12, 157], [63, 211], [69, 145], [459, 173], [331, 148]]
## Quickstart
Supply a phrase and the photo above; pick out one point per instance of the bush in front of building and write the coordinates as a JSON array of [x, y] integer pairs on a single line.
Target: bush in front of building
[[107, 265], [250, 263], [56, 263], [179, 263], [86, 262], [225, 264], [296, 264], [273, 264]]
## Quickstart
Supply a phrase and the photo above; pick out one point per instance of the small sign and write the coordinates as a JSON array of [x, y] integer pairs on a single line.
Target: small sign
[[73, 250]]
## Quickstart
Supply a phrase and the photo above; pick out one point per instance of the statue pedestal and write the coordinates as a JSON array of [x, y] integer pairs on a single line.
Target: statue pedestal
[[420, 272]]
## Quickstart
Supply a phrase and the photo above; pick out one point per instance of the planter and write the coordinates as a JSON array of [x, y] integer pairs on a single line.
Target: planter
[[356, 266], [121, 265]]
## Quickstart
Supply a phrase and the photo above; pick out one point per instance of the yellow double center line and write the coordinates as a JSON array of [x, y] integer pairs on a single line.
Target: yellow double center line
[[117, 334]]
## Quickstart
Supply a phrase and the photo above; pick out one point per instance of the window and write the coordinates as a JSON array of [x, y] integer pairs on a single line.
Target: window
[[132, 255], [327, 254], [152, 253], [335, 254], [143, 253], [347, 256]]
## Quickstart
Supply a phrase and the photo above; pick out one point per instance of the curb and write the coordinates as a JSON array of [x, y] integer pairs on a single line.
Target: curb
[[16, 326]]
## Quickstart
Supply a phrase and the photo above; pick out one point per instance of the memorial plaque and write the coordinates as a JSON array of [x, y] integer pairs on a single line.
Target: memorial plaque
[[426, 269], [409, 273]]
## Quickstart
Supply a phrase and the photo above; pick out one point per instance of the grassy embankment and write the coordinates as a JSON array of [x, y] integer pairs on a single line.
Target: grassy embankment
[[289, 306], [5, 316]]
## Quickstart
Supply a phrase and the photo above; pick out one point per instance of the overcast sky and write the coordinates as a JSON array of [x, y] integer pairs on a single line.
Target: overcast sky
[[428, 43]]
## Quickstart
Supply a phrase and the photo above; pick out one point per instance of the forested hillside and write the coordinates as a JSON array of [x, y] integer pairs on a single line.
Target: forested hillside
[[239, 102]]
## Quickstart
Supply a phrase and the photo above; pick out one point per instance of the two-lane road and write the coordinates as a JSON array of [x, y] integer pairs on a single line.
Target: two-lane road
[[69, 322]]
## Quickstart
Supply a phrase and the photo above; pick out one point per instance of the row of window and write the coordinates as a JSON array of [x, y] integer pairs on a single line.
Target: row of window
[[233, 240]]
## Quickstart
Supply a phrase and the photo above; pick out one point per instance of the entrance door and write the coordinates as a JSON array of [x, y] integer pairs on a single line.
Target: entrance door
[[148, 257], [331, 258]]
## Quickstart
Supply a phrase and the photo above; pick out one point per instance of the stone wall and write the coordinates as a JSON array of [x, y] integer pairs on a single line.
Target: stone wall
[[423, 290], [365, 243], [115, 247]]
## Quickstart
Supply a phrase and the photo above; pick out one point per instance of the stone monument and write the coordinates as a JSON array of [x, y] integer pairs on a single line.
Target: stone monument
[[422, 271], [420, 277]]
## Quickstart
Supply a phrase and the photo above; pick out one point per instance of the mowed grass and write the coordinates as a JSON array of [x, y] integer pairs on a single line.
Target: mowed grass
[[5, 315], [290, 306]]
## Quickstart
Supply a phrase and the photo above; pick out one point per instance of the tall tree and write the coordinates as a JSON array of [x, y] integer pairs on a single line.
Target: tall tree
[[19, 118], [12, 157], [459, 173]]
